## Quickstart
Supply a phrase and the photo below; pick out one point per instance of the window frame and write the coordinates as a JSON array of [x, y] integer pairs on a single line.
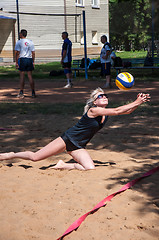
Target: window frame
[[94, 37], [81, 4], [96, 5], [82, 38]]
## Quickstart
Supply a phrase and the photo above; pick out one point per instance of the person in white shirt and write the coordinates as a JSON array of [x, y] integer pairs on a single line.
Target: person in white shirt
[[106, 60], [25, 58]]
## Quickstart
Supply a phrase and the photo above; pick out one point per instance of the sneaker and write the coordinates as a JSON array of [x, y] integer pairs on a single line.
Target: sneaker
[[20, 95], [69, 85]]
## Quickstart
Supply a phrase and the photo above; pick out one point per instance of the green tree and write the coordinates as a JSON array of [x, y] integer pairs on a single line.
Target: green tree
[[131, 23]]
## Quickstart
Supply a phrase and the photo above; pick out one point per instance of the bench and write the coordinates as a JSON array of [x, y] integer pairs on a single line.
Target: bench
[[137, 63], [76, 66]]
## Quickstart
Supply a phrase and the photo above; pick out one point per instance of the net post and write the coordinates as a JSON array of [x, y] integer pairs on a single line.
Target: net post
[[85, 44], [18, 18]]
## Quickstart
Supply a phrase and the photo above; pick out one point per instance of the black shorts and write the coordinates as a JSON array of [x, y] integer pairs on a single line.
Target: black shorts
[[69, 145], [106, 68], [25, 64], [66, 64]]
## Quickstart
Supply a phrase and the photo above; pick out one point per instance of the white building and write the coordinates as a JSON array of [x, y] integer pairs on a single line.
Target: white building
[[46, 20]]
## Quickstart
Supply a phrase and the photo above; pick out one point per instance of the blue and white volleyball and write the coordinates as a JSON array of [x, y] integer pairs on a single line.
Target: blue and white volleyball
[[124, 81]]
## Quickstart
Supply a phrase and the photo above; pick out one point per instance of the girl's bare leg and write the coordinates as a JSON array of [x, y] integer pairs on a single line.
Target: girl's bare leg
[[53, 148], [82, 157], [6, 156]]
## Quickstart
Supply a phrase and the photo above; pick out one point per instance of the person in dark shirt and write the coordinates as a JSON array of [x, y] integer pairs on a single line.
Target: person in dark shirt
[[66, 59], [106, 61], [75, 139]]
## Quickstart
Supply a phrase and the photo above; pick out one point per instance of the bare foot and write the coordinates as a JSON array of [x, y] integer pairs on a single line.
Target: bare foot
[[59, 165], [6, 156]]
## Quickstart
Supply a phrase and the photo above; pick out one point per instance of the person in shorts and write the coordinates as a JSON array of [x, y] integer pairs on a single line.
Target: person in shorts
[[75, 139], [106, 61], [25, 58], [66, 59]]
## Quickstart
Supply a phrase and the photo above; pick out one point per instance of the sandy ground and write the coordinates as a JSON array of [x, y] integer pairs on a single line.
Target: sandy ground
[[39, 203]]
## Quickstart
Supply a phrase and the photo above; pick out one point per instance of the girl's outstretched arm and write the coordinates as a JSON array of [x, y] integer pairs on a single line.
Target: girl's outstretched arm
[[134, 108], [125, 109]]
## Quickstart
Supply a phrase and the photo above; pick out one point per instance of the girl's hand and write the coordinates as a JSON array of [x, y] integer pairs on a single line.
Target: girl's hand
[[143, 97]]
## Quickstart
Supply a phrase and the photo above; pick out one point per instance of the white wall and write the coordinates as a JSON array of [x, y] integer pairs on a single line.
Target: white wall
[[97, 19], [45, 31]]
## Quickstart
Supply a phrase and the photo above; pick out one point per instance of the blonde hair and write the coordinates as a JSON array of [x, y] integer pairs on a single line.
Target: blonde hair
[[90, 101]]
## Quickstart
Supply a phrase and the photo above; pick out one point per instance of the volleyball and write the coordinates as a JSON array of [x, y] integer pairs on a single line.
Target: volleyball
[[124, 81]]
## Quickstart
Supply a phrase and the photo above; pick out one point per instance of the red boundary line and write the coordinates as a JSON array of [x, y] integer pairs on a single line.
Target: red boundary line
[[78, 222]]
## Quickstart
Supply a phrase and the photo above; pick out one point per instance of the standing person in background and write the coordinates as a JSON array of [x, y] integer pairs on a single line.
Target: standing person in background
[[25, 58], [106, 60], [66, 59]]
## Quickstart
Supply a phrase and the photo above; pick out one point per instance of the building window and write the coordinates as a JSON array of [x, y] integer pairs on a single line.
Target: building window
[[80, 3], [82, 38], [94, 38], [95, 4]]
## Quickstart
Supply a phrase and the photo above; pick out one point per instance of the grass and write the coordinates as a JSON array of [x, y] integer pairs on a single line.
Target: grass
[[42, 70], [40, 108], [131, 54], [66, 108]]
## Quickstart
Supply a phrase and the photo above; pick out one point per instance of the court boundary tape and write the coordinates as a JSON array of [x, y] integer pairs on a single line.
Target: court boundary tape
[[102, 203]]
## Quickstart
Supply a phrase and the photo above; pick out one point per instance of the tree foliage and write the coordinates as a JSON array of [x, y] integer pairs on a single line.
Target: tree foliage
[[131, 23]]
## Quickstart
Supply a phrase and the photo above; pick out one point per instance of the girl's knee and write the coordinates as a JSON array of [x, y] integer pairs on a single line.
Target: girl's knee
[[33, 156]]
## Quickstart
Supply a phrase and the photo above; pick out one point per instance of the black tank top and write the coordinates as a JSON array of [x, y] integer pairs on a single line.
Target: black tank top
[[81, 133]]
